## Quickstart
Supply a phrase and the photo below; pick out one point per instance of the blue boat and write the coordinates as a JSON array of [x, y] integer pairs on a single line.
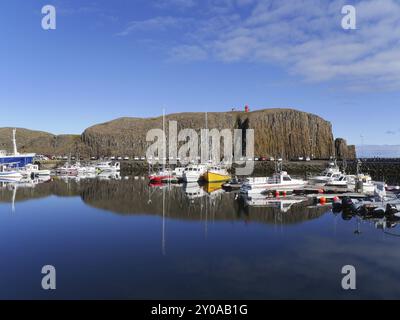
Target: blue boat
[[16, 159]]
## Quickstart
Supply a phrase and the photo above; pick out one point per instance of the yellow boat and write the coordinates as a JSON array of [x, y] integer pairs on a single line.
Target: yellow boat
[[212, 187], [216, 175]]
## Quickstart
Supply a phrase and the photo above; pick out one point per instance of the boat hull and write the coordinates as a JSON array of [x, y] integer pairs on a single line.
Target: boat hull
[[18, 160], [210, 176]]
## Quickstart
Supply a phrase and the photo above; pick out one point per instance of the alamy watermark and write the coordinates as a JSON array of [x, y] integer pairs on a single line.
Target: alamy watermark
[[349, 21], [204, 146], [49, 20], [349, 280], [49, 280]]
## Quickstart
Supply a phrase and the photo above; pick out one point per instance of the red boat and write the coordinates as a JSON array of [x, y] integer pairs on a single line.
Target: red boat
[[160, 176]]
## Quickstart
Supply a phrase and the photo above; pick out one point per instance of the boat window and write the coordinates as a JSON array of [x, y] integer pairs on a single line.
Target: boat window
[[287, 179]]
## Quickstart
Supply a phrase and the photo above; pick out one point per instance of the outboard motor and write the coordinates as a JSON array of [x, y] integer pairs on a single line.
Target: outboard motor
[[391, 209], [348, 205], [379, 212]]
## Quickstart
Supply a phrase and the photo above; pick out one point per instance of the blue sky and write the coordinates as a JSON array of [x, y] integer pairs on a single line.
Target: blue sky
[[109, 59]]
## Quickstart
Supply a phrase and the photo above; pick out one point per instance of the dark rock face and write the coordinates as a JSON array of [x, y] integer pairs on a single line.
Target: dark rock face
[[282, 133], [343, 151], [278, 132]]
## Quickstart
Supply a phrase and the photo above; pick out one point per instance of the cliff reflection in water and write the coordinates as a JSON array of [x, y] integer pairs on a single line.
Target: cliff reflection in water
[[133, 196]]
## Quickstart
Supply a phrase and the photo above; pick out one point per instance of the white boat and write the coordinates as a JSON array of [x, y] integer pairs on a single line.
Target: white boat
[[7, 173], [178, 172], [193, 191], [85, 170], [194, 172], [108, 166], [68, 170], [283, 204], [332, 172], [342, 180], [280, 181], [33, 169], [20, 159]]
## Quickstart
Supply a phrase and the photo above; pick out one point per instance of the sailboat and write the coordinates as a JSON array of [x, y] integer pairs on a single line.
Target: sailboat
[[163, 174]]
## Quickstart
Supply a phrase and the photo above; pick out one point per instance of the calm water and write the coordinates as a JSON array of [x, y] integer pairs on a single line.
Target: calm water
[[124, 239]]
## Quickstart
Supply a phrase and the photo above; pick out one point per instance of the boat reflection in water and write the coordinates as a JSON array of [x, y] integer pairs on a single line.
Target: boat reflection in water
[[189, 201], [223, 245]]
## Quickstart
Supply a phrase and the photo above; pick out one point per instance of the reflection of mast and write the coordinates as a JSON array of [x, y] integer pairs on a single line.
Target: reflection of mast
[[163, 225], [206, 224], [13, 198]]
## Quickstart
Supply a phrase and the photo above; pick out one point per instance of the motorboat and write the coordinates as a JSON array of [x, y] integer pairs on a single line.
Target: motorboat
[[7, 173], [68, 170], [280, 181], [85, 170], [193, 191], [283, 204], [233, 184], [178, 172], [341, 181], [216, 174], [108, 166], [160, 176], [33, 170], [332, 172], [194, 172]]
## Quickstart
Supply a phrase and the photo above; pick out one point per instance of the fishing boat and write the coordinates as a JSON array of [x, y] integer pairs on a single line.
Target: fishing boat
[[20, 159], [7, 173], [216, 174], [193, 191], [194, 172]]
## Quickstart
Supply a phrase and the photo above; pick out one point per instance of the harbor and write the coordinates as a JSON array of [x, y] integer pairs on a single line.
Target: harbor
[[198, 224]]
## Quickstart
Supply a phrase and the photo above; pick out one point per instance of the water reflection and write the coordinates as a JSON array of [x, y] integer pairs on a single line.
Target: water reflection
[[187, 241], [133, 195], [192, 201]]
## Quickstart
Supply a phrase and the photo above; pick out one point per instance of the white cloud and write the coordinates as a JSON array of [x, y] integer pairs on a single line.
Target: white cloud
[[153, 24], [187, 53], [305, 37], [182, 4]]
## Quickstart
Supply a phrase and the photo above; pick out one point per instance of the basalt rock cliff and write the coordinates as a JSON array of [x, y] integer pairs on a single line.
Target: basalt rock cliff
[[344, 151], [286, 133], [278, 132]]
